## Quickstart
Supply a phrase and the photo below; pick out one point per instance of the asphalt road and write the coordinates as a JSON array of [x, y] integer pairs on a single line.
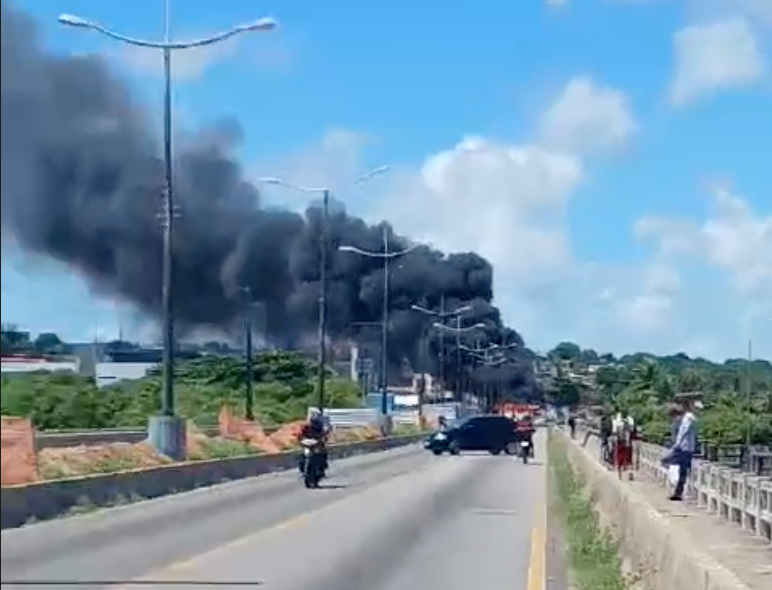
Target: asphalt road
[[391, 521]]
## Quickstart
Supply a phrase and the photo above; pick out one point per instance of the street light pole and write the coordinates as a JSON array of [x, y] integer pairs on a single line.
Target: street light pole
[[385, 326], [386, 255], [322, 332], [249, 360], [443, 372], [166, 431], [458, 363], [323, 282], [169, 344]]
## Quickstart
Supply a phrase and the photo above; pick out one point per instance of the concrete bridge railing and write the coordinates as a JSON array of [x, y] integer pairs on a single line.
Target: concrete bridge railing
[[729, 493]]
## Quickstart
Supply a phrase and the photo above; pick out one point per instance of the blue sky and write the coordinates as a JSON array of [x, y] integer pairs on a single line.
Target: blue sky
[[608, 156]]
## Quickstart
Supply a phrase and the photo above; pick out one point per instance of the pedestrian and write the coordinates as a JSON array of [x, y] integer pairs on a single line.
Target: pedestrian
[[623, 436], [681, 454], [572, 425], [606, 430]]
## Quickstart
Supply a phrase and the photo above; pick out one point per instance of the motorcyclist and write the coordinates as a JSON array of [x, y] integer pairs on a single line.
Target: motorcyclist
[[526, 429], [316, 428]]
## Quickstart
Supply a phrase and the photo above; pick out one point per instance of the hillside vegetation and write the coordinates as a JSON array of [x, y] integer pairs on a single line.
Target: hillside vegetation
[[284, 389], [737, 393]]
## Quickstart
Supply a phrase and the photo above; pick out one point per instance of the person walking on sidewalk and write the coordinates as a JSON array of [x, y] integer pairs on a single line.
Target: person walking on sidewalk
[[572, 425], [684, 446]]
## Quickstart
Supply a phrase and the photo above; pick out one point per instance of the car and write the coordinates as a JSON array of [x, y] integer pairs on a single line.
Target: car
[[493, 433]]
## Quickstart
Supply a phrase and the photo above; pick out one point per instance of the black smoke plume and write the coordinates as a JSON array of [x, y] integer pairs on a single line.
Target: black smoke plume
[[82, 183]]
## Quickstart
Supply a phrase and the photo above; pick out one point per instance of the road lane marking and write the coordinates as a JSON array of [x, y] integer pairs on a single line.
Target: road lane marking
[[537, 564], [297, 520], [537, 574]]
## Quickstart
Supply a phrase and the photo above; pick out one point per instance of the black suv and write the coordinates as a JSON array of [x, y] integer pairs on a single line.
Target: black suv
[[495, 434]]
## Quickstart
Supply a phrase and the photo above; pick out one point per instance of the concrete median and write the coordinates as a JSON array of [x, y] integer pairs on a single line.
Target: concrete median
[[27, 503], [659, 555]]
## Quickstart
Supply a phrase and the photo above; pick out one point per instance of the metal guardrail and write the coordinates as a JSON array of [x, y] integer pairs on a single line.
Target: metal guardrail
[[53, 439], [339, 418], [729, 493]]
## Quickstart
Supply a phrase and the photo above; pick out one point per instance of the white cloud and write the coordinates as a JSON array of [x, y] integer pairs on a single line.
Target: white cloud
[[717, 56], [588, 119], [190, 65], [734, 240], [187, 65], [647, 312], [509, 201]]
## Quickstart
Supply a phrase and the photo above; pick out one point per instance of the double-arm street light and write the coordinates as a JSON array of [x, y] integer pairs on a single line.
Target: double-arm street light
[[484, 355], [325, 193], [387, 255], [459, 331], [166, 431], [442, 315]]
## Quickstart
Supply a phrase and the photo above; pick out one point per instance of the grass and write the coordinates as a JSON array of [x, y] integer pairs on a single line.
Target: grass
[[593, 554]]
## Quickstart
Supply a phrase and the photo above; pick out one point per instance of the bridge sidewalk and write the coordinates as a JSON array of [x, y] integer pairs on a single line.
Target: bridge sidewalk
[[748, 557]]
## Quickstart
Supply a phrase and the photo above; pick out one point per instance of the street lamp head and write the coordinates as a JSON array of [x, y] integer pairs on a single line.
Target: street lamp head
[[263, 24], [464, 309], [270, 180], [75, 21], [346, 249], [374, 172]]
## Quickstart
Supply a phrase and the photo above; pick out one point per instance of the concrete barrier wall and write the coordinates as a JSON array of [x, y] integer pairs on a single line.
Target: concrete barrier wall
[[663, 557], [49, 499]]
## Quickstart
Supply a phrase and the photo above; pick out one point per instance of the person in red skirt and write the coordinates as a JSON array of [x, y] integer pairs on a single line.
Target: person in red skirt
[[623, 445]]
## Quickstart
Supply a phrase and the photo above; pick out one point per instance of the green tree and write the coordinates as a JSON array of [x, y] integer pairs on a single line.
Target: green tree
[[566, 351], [284, 389], [47, 343]]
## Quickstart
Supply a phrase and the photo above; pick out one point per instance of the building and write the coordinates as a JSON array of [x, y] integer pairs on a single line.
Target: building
[[24, 363], [126, 365]]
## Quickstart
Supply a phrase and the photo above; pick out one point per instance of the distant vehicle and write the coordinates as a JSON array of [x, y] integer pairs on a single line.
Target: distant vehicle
[[495, 434]]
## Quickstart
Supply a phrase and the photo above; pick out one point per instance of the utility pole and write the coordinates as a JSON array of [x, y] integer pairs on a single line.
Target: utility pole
[[442, 347], [749, 402], [422, 389]]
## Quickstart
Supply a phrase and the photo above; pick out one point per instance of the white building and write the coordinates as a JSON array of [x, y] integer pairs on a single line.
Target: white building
[[111, 373], [126, 365], [29, 364]]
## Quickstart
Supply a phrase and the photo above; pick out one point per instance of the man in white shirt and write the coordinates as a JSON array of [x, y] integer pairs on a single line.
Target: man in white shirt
[[684, 445]]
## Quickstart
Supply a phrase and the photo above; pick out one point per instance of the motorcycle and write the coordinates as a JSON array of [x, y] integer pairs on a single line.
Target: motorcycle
[[312, 468], [525, 450]]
